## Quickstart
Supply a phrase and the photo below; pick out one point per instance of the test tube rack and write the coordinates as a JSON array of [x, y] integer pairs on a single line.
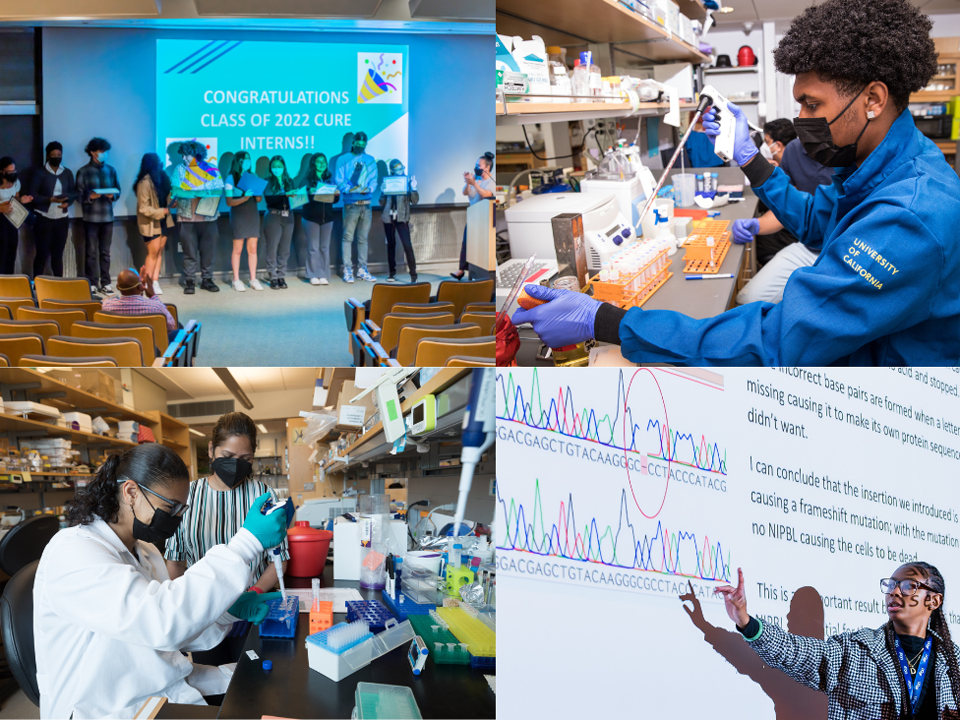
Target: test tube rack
[[702, 258], [375, 701], [341, 662], [373, 613], [480, 639], [404, 607], [620, 293], [282, 617], [439, 641], [321, 616]]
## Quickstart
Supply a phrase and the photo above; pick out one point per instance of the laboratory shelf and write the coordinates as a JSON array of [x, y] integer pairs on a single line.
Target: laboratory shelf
[[16, 425], [73, 399], [528, 113], [578, 22], [731, 70], [372, 443]]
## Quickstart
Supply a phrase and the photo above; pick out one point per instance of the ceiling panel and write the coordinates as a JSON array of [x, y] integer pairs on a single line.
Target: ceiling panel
[[453, 9]]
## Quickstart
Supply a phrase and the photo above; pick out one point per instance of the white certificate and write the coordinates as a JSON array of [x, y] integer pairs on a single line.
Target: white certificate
[[208, 206], [18, 213]]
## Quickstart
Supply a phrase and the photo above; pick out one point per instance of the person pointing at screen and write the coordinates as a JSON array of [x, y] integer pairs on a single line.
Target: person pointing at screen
[[906, 668]]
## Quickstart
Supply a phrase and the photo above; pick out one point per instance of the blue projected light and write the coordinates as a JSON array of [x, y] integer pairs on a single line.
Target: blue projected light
[[292, 99]]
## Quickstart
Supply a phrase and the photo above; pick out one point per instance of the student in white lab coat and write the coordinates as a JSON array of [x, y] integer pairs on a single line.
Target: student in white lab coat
[[109, 624]]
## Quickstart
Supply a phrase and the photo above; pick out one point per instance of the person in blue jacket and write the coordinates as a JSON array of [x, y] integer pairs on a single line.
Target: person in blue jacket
[[885, 289]]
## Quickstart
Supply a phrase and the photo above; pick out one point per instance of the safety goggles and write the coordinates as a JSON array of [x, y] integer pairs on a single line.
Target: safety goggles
[[176, 508]]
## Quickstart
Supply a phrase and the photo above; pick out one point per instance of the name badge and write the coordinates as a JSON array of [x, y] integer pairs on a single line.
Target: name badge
[[285, 213]]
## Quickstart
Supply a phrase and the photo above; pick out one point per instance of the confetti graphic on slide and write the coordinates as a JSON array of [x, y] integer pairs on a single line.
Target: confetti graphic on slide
[[380, 77]]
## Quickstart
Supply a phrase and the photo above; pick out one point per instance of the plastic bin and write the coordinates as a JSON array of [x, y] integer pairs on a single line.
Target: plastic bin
[[308, 550], [337, 666], [376, 701]]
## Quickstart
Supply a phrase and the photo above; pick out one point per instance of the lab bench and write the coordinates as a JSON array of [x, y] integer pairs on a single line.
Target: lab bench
[[694, 298], [291, 689]]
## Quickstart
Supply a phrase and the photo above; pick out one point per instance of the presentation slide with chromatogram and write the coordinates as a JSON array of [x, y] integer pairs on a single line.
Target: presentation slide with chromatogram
[[625, 496]]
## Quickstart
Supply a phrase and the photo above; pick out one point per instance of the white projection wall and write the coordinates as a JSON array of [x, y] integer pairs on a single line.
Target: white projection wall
[[619, 491]]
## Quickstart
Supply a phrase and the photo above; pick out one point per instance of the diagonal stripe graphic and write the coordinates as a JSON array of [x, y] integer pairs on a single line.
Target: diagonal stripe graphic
[[219, 46], [217, 57], [174, 67]]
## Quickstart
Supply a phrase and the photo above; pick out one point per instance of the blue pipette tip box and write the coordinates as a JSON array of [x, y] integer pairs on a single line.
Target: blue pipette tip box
[[373, 613], [483, 662], [281, 620], [320, 639], [403, 607]]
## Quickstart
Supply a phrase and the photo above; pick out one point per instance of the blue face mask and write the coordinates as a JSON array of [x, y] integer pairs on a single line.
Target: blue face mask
[[102, 157], [277, 171]]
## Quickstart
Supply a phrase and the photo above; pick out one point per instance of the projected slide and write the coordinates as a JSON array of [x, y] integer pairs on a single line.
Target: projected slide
[[625, 496], [281, 98]]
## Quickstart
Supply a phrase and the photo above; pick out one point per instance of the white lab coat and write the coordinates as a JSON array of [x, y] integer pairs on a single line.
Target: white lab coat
[[108, 629]]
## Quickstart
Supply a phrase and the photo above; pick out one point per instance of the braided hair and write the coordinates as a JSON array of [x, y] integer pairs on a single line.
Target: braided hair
[[942, 642], [151, 465]]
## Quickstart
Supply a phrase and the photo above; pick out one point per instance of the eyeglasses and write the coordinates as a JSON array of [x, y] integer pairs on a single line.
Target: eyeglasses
[[907, 587], [176, 508]]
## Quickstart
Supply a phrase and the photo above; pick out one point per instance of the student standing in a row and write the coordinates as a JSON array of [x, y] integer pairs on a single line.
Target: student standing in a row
[[54, 190], [98, 212], [9, 233]]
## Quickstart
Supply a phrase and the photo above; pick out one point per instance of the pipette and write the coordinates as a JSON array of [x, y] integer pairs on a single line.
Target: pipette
[[269, 508], [515, 291], [278, 564]]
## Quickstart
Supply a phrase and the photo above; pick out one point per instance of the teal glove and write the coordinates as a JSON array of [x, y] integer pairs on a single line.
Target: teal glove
[[270, 529], [252, 607]]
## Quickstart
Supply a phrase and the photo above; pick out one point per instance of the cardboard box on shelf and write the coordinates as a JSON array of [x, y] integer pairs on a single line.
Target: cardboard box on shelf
[[93, 381], [352, 415], [332, 379]]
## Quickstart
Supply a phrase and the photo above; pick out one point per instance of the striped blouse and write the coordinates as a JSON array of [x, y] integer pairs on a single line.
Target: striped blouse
[[213, 518]]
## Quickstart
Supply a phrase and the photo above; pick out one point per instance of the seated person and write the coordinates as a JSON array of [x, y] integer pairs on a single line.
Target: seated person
[[131, 300], [699, 149], [778, 252]]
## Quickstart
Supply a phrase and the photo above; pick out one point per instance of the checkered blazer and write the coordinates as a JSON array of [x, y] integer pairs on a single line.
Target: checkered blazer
[[855, 670]]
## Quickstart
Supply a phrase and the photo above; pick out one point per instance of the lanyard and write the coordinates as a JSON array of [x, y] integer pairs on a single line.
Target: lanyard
[[914, 685]]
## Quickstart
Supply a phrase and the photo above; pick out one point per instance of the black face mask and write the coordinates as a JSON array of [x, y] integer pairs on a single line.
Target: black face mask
[[54, 162], [232, 471], [11, 177], [161, 528], [478, 172], [358, 149], [814, 134]]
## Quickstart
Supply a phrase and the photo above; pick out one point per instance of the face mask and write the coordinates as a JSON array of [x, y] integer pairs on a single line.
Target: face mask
[[10, 177], [245, 165], [321, 168], [161, 528], [398, 171], [277, 171], [765, 151], [478, 172], [358, 148], [232, 471], [54, 162], [102, 157], [814, 134]]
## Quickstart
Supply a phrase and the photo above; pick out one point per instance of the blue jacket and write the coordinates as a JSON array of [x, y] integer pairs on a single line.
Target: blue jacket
[[348, 175], [885, 289]]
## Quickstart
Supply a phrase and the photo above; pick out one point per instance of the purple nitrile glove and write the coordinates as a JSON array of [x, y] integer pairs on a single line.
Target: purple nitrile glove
[[565, 319], [743, 146], [744, 230]]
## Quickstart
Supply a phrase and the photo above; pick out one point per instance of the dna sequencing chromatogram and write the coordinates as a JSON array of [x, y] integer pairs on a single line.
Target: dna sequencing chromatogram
[[636, 424]]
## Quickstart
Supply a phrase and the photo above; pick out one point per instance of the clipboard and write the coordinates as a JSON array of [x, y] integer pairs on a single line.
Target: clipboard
[[18, 213], [208, 206], [249, 181]]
